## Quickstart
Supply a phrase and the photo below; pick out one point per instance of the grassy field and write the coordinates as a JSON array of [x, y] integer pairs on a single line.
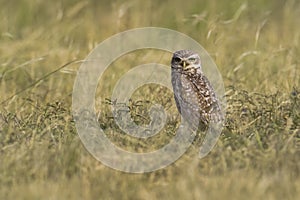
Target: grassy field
[[256, 46]]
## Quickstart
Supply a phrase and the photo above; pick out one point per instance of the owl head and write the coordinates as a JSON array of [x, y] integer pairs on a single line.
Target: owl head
[[186, 60]]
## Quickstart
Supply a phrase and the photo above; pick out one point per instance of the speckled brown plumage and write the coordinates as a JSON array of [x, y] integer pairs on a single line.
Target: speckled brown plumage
[[195, 97]]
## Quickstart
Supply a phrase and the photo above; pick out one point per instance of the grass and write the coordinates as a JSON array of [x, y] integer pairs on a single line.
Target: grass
[[255, 44]]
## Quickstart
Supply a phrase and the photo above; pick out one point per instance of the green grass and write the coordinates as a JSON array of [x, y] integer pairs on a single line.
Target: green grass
[[255, 45]]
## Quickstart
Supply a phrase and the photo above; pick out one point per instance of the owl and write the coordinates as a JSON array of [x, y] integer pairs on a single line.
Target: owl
[[195, 98]]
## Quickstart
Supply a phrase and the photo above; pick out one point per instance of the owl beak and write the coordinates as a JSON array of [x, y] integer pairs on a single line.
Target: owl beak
[[184, 64]]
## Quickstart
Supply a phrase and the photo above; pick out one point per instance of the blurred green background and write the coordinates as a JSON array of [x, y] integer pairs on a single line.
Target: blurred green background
[[255, 45]]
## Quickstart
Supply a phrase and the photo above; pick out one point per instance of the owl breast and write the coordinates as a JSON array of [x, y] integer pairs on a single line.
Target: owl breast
[[195, 98]]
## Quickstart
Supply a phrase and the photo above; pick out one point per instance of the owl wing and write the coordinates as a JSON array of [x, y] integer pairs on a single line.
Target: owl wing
[[208, 102]]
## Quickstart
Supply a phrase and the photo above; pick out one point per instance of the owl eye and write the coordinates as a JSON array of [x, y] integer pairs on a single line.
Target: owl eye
[[192, 59], [176, 59]]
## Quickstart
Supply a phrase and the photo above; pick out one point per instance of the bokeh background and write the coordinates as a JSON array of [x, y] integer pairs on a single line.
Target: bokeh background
[[255, 45]]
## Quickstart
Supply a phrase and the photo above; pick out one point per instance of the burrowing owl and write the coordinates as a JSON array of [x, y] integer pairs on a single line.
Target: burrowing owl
[[195, 97]]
